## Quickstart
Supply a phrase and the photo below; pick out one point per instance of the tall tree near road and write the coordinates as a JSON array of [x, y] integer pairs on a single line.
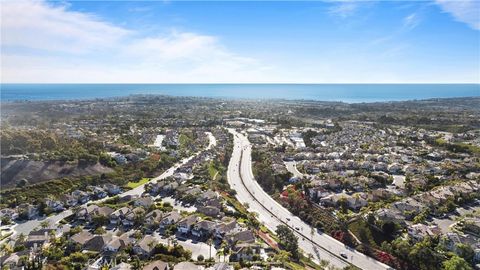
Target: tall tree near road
[[288, 240]]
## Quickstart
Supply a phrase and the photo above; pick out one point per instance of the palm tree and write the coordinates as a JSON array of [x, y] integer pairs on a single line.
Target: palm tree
[[209, 242], [21, 238], [220, 253], [45, 224], [136, 265]]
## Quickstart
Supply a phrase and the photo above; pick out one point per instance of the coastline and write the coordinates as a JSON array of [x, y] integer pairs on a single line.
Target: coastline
[[346, 93]]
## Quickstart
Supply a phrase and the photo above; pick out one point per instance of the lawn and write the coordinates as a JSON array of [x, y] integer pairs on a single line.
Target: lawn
[[136, 184], [212, 171], [184, 141]]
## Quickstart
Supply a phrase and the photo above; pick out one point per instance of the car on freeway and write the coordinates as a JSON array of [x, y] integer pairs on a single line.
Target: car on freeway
[[344, 255]]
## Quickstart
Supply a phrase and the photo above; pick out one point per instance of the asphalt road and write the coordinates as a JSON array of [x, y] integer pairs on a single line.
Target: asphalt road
[[292, 167], [272, 214], [140, 189], [28, 226], [197, 248]]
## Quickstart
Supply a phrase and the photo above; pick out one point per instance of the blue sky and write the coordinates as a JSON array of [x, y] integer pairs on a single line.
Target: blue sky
[[187, 42]]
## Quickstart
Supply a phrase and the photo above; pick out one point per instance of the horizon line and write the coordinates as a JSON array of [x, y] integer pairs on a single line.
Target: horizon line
[[213, 83]]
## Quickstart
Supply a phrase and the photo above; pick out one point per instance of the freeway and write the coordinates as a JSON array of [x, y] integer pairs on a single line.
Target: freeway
[[272, 214], [26, 227]]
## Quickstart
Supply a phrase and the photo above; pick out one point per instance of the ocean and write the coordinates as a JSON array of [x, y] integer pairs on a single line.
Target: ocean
[[351, 93]]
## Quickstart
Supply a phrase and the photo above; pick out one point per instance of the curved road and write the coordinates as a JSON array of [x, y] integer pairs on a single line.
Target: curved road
[[292, 168], [272, 214], [28, 226]]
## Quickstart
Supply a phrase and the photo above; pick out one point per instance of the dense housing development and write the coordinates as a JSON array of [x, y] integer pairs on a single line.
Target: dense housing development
[[159, 182]]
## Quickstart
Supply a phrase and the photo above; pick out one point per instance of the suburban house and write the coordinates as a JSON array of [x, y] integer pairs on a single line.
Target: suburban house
[[390, 215], [185, 225], [245, 251], [82, 237], [408, 205], [119, 215], [87, 212], [56, 206], [69, 200], [419, 231], [203, 228], [37, 239], [97, 242], [9, 213], [145, 246], [27, 211], [118, 243], [146, 201], [186, 266], [153, 218], [241, 237], [225, 228], [169, 219], [156, 265], [112, 189], [210, 211], [81, 196]]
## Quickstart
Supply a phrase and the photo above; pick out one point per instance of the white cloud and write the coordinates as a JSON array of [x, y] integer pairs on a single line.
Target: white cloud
[[466, 11], [174, 46], [343, 9], [42, 42], [411, 21], [71, 46], [38, 25]]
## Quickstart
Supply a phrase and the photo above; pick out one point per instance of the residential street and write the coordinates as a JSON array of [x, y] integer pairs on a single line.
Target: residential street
[[140, 189], [197, 248], [292, 167], [273, 214], [28, 226]]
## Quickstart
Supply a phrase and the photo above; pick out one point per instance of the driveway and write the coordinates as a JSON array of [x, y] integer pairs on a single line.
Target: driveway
[[197, 248]]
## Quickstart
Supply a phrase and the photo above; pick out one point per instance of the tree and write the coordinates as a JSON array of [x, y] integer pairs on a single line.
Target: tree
[[282, 256], [21, 238], [400, 248], [22, 182], [421, 218], [78, 257], [288, 240], [363, 235], [99, 230], [371, 219], [423, 255], [45, 224], [456, 263], [100, 220], [343, 203], [465, 251], [388, 228]]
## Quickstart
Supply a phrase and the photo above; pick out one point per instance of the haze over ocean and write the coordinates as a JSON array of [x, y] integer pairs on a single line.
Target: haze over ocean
[[351, 93]]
